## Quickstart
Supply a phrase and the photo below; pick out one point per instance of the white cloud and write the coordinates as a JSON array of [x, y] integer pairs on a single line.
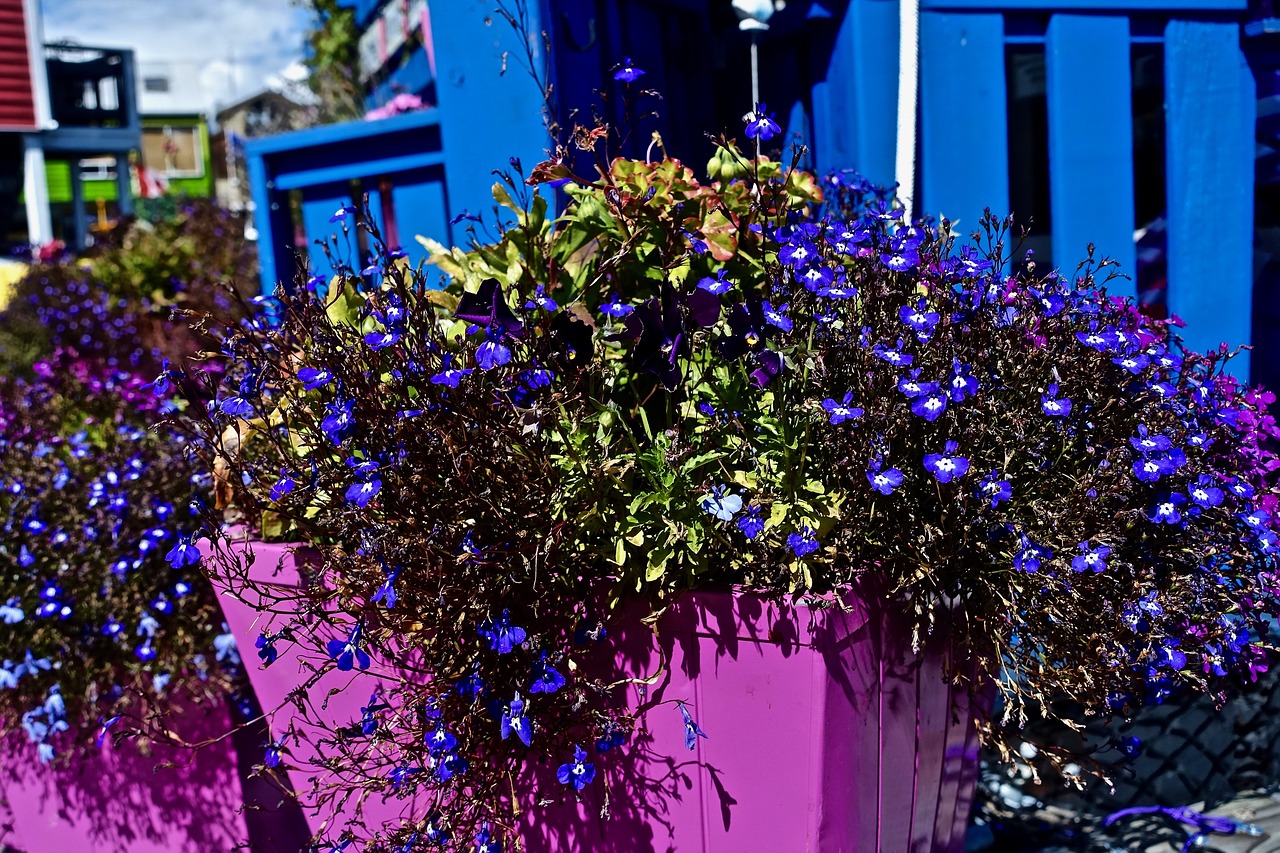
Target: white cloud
[[216, 51]]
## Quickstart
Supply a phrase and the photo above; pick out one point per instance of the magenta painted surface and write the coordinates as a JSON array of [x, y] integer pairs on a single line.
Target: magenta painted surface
[[119, 801], [826, 734]]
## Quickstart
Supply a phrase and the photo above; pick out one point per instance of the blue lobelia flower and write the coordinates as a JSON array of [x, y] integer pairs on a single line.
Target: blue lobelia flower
[[400, 774], [493, 352], [723, 506], [485, 842], [450, 765], [361, 493], [441, 740], [314, 377], [612, 738], [514, 720], [578, 772], [777, 316], [1053, 405], [1256, 518], [1205, 492], [931, 403], [995, 488], [449, 376], [283, 486], [503, 637], [751, 524], [838, 413], [274, 750], [1134, 363], [894, 356], [947, 465], [883, 480], [1091, 559], [347, 652], [185, 553], [339, 421], [803, 542], [760, 125], [961, 384], [341, 213], [11, 613], [692, 731], [1168, 655], [616, 308], [541, 300], [1030, 555], [626, 72], [1168, 508], [386, 592], [920, 319], [545, 677]]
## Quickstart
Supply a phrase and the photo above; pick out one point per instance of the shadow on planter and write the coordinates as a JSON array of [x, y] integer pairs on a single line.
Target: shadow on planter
[[825, 732], [119, 801]]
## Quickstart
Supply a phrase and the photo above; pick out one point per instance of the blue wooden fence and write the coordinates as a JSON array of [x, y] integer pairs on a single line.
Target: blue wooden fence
[[829, 71]]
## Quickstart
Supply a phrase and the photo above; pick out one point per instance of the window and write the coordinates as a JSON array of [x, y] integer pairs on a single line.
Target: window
[[173, 151], [155, 84]]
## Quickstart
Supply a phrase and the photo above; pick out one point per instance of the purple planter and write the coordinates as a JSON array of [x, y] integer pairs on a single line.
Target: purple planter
[[119, 801], [826, 733]]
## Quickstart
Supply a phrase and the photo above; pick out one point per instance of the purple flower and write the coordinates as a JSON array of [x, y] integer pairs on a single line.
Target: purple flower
[[838, 413], [514, 720], [692, 731], [1091, 559], [995, 488], [578, 772], [803, 542], [274, 749], [1169, 655], [626, 72], [760, 125], [1030, 555], [947, 465], [347, 652], [1053, 405], [884, 481]]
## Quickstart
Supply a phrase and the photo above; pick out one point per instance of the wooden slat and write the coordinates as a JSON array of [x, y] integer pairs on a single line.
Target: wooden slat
[[1091, 142], [1209, 97], [964, 124]]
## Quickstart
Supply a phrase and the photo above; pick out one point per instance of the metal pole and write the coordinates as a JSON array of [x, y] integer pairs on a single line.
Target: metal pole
[[755, 72]]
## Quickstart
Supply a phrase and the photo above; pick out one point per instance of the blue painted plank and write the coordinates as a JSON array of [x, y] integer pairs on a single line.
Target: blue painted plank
[[964, 140], [271, 219], [345, 171], [1091, 142], [343, 133], [855, 107], [1210, 108], [1090, 5], [486, 115]]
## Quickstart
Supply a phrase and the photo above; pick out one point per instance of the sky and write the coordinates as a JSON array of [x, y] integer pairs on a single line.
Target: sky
[[216, 51]]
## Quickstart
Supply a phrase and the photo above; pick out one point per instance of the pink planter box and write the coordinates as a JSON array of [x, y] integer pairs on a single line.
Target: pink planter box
[[826, 733], [119, 801]]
